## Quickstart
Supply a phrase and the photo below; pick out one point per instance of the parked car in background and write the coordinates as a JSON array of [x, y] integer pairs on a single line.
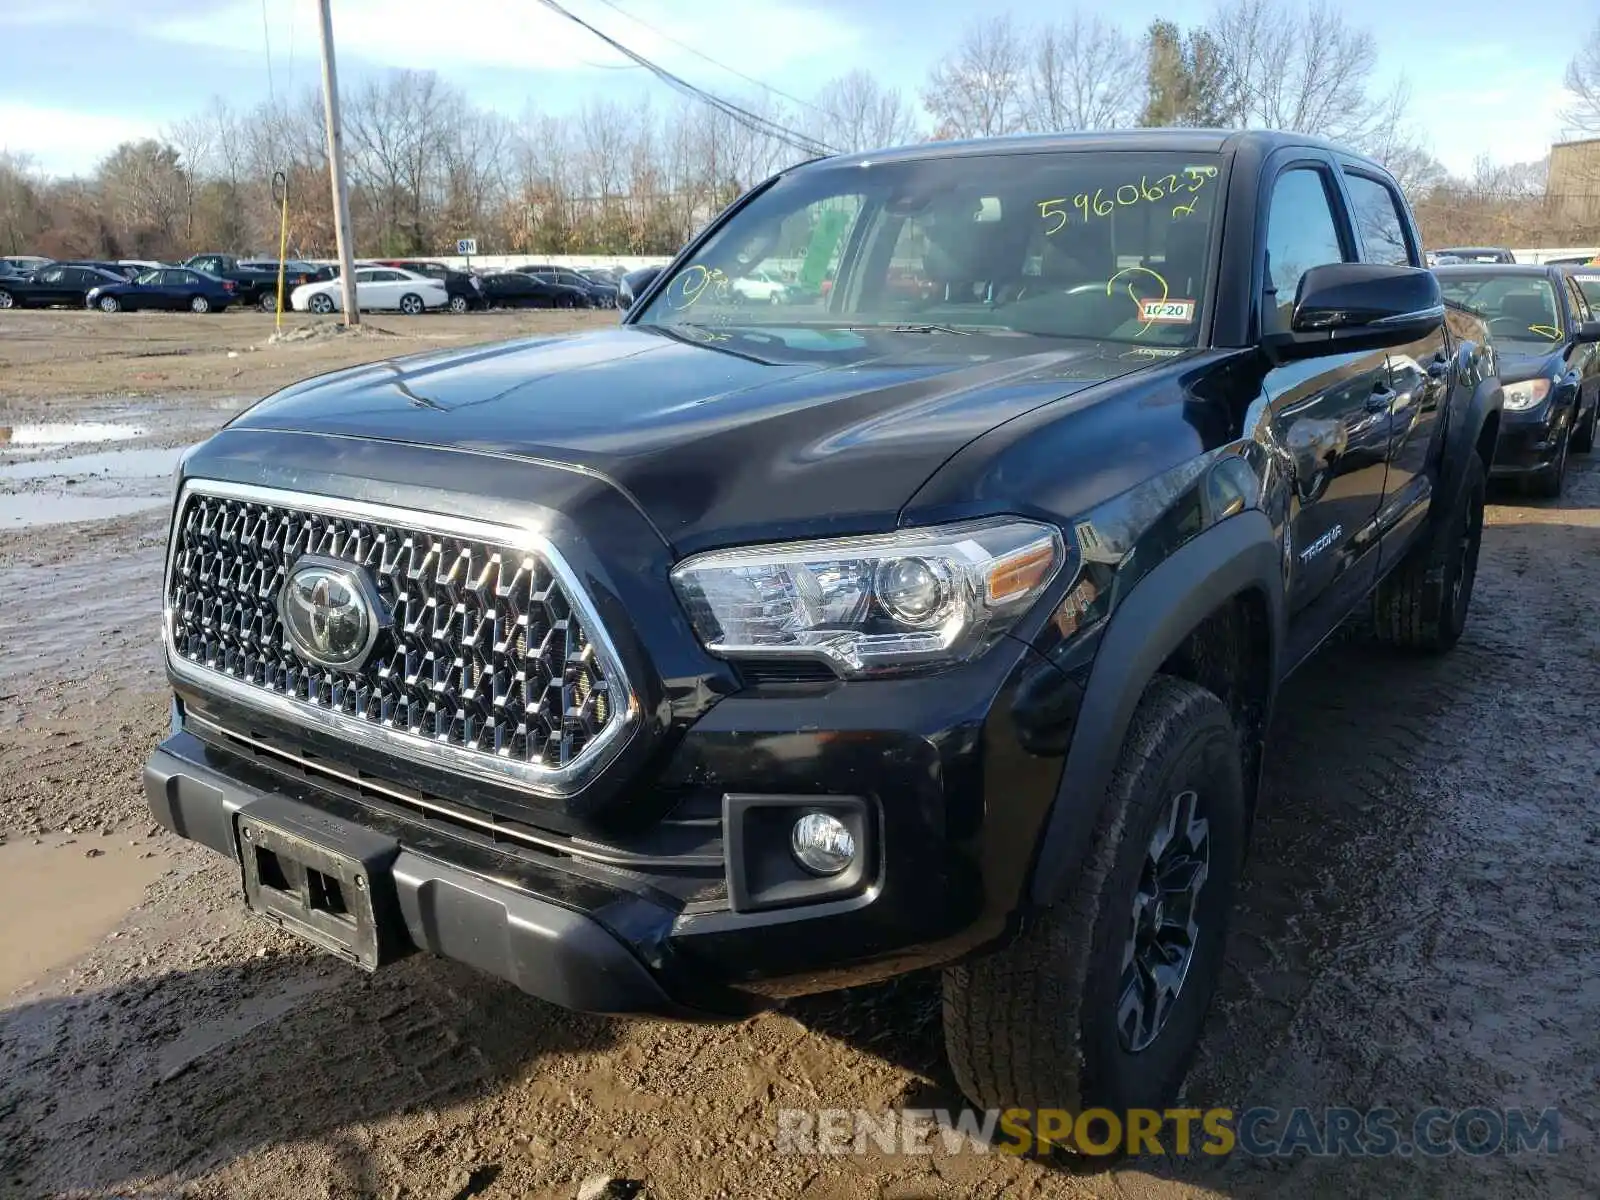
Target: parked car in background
[[135, 267], [256, 280], [376, 288], [296, 271], [463, 289], [1546, 331], [762, 287], [170, 288], [601, 295], [25, 263], [512, 289], [1477, 254], [56, 284]]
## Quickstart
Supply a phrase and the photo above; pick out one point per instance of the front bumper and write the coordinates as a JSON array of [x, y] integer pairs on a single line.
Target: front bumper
[[1529, 440], [954, 787]]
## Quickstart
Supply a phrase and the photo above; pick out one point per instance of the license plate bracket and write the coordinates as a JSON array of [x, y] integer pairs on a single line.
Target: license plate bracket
[[321, 878]]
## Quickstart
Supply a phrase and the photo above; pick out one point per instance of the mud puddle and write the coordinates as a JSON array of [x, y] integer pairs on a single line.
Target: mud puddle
[[73, 894], [48, 436], [86, 487]]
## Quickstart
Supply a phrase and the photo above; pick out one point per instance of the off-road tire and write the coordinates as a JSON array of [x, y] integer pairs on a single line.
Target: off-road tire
[[1583, 436], [1034, 1024], [1423, 603]]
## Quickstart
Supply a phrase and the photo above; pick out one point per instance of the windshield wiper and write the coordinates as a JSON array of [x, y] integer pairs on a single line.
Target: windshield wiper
[[931, 328]]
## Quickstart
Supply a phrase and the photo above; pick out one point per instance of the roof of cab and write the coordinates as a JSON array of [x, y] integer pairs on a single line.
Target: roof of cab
[[1192, 141], [1490, 268]]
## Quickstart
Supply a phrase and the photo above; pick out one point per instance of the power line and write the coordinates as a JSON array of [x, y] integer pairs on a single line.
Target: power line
[[701, 54], [266, 38], [750, 120]]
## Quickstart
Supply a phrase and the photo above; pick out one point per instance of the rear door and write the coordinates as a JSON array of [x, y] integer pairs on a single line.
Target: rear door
[[1419, 372], [1330, 414]]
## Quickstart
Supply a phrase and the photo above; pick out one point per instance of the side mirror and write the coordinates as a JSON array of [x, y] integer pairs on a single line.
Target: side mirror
[[1341, 307], [634, 284], [1589, 331]]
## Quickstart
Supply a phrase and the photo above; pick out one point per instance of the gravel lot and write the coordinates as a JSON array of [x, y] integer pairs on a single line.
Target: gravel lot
[[1416, 916]]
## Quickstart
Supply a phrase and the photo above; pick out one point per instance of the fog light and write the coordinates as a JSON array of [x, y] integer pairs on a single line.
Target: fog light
[[822, 844]]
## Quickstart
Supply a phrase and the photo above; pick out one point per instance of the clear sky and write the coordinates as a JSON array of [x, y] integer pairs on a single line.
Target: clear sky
[[82, 75]]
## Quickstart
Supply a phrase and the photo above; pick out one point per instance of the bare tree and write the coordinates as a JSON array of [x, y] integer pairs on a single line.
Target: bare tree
[[977, 89], [1083, 73], [861, 114], [1583, 82], [1305, 70], [142, 190]]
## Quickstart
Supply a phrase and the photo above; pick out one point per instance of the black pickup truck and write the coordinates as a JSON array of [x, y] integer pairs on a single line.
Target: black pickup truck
[[254, 285], [745, 650]]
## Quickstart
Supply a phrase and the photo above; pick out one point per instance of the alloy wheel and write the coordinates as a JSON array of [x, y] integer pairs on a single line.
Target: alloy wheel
[[5, 300], [1164, 925]]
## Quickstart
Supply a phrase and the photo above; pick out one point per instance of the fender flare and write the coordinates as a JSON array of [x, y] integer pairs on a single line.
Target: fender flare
[[1461, 438], [1237, 555]]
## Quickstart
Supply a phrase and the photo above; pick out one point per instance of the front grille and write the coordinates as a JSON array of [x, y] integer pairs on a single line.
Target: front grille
[[490, 658]]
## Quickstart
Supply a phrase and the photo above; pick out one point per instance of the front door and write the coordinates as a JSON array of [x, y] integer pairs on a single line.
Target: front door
[[1331, 416]]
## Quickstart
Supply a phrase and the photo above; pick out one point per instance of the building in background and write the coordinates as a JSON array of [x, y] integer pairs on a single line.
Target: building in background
[[1574, 186]]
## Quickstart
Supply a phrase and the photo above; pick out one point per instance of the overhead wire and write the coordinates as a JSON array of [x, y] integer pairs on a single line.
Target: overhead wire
[[702, 55], [743, 116]]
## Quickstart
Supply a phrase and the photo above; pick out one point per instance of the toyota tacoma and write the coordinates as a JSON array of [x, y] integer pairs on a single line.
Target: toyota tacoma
[[757, 648]]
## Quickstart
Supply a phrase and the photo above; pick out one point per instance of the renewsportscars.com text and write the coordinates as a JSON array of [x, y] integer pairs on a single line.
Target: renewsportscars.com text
[[1262, 1132]]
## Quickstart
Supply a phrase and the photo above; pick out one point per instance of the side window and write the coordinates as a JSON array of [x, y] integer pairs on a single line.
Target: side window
[[53, 275], [1378, 222], [1580, 303], [1301, 234]]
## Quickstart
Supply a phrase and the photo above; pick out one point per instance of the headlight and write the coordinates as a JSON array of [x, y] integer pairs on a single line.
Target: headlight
[[871, 605], [1526, 394]]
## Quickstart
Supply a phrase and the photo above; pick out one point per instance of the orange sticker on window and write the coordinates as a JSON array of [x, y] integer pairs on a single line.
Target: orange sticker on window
[[1170, 312]]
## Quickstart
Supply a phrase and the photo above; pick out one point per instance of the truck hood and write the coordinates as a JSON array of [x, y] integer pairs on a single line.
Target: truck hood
[[1530, 363], [716, 436]]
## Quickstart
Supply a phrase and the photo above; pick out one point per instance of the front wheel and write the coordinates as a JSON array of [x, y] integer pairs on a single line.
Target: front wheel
[[1422, 604], [1099, 1002], [7, 300], [108, 304], [199, 304], [1548, 481], [411, 304], [1583, 436], [320, 304]]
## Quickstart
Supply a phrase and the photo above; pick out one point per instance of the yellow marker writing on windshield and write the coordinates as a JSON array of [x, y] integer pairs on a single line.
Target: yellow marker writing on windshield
[[1134, 296]]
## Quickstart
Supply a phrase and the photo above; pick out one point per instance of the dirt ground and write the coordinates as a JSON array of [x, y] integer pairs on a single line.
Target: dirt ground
[[1416, 926]]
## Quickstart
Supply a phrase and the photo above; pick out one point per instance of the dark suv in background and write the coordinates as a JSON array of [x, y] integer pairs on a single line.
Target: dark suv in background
[[745, 650]]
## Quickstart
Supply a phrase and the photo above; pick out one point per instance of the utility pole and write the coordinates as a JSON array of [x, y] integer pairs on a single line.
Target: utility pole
[[341, 199]]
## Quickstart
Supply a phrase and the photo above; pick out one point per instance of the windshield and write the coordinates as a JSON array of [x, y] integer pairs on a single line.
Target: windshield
[[1110, 245], [1519, 308]]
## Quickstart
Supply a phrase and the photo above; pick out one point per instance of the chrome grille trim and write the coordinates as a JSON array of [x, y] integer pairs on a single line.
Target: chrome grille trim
[[537, 778]]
